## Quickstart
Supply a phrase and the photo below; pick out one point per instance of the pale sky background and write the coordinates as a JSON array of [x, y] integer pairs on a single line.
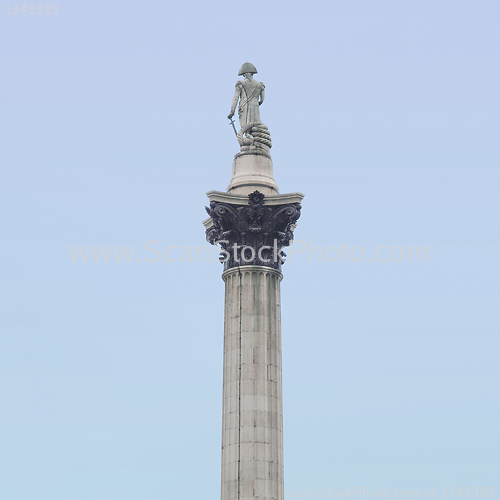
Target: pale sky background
[[112, 128]]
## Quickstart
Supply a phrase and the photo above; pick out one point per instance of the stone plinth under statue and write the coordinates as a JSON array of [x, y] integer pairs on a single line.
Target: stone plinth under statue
[[252, 171]]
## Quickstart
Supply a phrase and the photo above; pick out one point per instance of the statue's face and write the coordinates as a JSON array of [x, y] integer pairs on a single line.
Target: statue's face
[[248, 76]]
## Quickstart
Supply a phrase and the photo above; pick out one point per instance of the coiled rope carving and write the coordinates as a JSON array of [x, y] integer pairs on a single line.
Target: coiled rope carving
[[256, 136]]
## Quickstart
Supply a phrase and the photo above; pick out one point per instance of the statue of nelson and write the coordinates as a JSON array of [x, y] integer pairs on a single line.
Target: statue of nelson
[[250, 94]]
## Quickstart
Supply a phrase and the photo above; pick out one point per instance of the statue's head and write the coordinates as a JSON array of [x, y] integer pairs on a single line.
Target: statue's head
[[247, 68]]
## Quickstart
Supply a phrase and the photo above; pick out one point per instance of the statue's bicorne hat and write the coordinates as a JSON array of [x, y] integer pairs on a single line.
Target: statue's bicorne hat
[[247, 68]]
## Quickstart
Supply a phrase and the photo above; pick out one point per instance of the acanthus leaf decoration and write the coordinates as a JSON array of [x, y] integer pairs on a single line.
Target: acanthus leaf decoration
[[252, 234]]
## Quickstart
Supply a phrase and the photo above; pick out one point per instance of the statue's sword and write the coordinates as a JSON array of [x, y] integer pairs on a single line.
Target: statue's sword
[[234, 128]]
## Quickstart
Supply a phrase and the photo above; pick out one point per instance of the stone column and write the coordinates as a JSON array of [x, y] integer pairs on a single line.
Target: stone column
[[252, 229], [252, 223], [252, 422]]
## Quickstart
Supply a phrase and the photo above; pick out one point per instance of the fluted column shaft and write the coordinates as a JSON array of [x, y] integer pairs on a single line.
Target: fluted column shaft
[[252, 421]]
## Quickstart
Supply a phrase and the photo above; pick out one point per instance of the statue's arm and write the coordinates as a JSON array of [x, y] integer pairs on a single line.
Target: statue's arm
[[236, 98], [262, 95]]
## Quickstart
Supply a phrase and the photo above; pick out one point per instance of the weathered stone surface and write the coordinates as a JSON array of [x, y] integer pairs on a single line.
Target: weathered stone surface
[[252, 422], [251, 172]]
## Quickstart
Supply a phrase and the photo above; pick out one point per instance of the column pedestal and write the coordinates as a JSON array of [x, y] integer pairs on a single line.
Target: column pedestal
[[252, 171]]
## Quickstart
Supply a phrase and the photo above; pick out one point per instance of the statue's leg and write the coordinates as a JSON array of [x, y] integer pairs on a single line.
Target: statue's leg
[[242, 113]]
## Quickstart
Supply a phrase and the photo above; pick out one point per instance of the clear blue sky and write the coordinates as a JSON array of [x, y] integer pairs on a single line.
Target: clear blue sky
[[112, 128]]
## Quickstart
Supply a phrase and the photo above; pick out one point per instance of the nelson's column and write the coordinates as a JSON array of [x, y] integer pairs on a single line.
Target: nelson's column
[[252, 223]]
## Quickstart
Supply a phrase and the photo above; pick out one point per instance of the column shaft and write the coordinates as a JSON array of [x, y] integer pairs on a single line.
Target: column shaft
[[252, 421]]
